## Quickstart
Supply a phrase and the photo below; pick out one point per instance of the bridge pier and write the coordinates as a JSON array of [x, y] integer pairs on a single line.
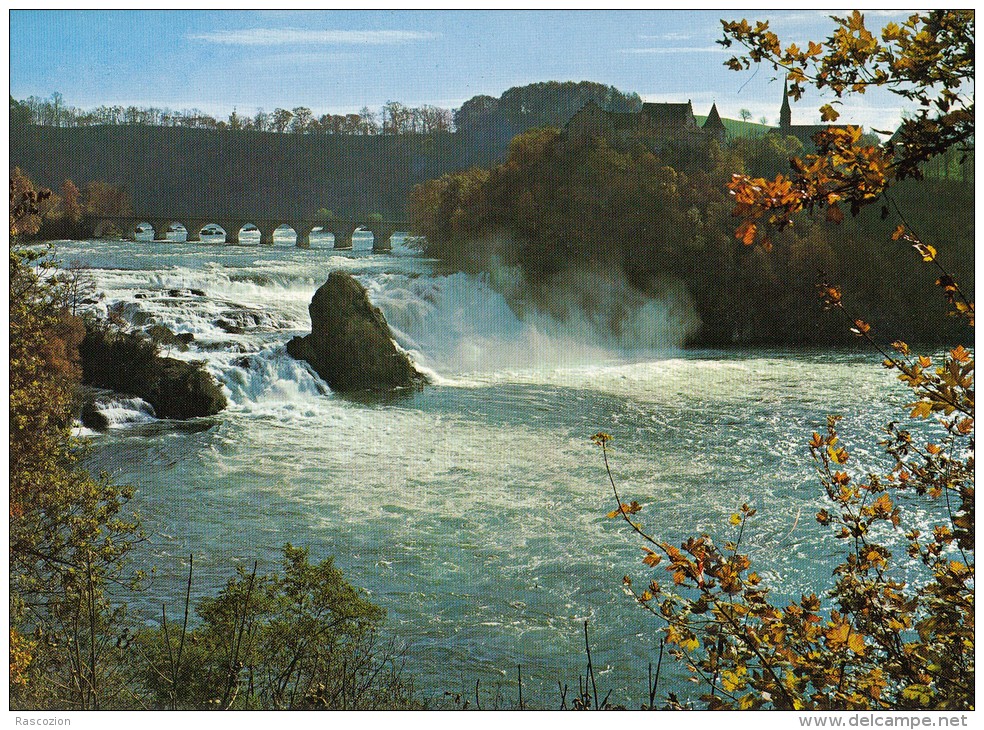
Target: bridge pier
[[160, 229], [381, 237], [266, 234], [194, 229], [342, 233], [231, 229], [303, 231]]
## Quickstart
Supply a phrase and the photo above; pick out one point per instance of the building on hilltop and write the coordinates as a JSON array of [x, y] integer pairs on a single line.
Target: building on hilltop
[[656, 123], [805, 133]]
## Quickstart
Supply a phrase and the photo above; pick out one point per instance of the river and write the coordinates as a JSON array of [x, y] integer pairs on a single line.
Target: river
[[474, 510]]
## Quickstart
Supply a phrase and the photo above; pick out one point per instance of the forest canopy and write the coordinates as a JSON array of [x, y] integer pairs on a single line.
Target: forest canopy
[[557, 206]]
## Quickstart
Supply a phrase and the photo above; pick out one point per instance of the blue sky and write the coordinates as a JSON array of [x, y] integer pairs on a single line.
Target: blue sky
[[339, 61]]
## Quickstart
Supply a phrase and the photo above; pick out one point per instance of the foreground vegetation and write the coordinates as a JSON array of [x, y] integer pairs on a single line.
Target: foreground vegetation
[[71, 213], [891, 630], [300, 638]]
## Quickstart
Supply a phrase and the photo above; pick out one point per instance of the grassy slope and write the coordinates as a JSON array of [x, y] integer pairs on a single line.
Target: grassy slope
[[737, 128]]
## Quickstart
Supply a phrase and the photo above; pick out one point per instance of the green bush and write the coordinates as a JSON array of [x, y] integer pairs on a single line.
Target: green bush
[[303, 639]]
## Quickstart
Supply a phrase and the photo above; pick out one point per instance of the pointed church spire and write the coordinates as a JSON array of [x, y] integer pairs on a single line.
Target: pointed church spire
[[785, 113], [713, 118], [714, 125]]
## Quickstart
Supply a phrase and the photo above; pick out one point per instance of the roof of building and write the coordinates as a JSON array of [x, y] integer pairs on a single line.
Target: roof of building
[[713, 120], [667, 114], [624, 120]]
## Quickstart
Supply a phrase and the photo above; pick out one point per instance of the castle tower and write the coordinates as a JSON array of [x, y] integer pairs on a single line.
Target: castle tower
[[714, 126], [785, 113]]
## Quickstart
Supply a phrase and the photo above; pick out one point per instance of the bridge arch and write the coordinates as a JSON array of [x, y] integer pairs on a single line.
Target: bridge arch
[[323, 230], [249, 232], [362, 228], [231, 227], [139, 227]]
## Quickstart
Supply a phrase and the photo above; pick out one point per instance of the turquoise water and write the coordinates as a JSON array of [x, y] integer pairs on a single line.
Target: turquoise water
[[472, 511]]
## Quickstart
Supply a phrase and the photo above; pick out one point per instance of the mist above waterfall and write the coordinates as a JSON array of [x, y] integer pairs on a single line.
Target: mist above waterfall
[[468, 323]]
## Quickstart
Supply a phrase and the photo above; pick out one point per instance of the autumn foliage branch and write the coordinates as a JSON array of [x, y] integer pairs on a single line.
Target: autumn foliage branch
[[929, 59], [884, 634]]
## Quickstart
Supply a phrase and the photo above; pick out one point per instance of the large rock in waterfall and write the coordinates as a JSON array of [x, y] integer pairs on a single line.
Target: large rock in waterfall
[[129, 363], [350, 345]]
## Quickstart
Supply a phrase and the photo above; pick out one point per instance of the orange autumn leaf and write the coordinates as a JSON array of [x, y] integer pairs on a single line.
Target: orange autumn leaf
[[746, 232]]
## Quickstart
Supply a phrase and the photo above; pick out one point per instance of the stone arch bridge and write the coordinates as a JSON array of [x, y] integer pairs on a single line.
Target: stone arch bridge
[[341, 228]]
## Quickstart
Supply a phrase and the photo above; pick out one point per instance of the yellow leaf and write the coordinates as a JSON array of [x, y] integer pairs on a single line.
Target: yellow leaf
[[927, 252], [922, 409], [856, 643], [919, 692], [735, 519], [838, 456], [960, 354], [828, 113], [837, 635], [746, 232], [690, 644]]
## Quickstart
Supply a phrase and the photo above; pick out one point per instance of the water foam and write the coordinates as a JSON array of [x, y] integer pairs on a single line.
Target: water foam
[[125, 411], [462, 323], [241, 305]]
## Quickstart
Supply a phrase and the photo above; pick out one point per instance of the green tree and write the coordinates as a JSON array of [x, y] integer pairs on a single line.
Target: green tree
[[300, 639], [280, 120], [20, 114], [301, 120]]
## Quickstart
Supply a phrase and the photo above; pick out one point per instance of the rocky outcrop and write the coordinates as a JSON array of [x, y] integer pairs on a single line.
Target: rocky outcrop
[[128, 363], [92, 417], [164, 337], [350, 345]]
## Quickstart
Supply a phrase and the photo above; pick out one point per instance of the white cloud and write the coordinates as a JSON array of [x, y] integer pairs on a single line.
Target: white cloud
[[292, 36], [685, 49]]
